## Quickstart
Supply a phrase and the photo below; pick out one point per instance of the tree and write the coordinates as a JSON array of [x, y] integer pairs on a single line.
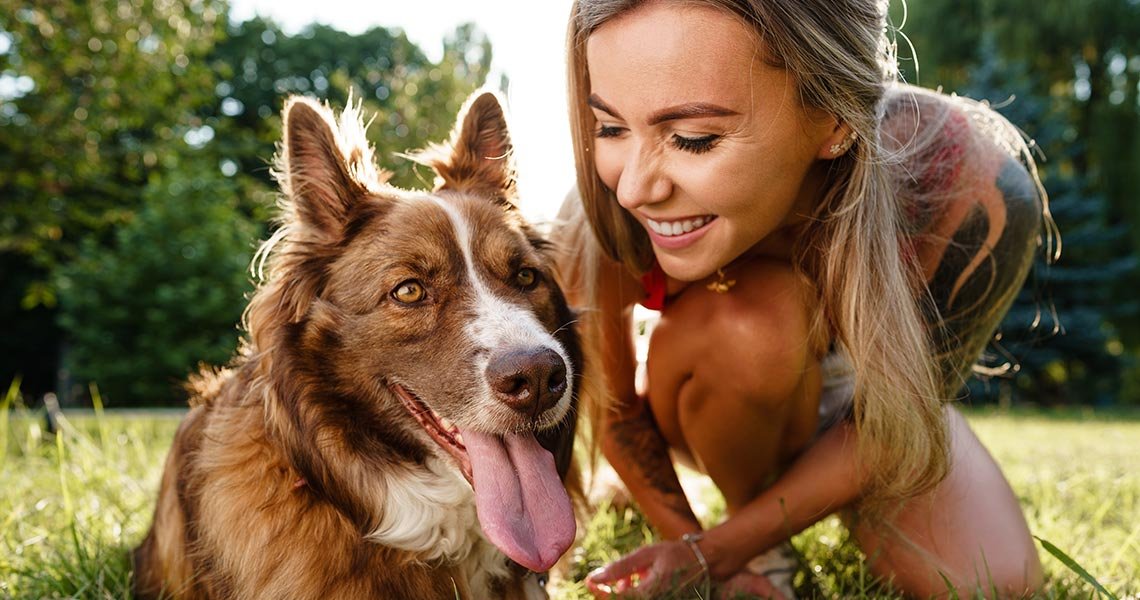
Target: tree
[[109, 107], [91, 95], [411, 100], [168, 293]]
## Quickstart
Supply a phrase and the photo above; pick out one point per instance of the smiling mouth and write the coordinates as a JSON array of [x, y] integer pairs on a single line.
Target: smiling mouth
[[679, 227], [443, 431]]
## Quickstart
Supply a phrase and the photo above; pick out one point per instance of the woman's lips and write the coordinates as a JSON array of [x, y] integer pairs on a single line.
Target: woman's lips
[[677, 233]]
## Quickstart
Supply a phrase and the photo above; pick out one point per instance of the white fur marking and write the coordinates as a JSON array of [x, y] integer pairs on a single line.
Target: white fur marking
[[500, 324], [431, 512]]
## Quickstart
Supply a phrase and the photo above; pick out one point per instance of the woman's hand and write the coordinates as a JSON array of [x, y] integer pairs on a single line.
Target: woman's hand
[[650, 571], [670, 567]]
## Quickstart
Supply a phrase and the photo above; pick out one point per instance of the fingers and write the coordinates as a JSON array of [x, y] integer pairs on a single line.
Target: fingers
[[605, 586], [638, 560], [622, 575]]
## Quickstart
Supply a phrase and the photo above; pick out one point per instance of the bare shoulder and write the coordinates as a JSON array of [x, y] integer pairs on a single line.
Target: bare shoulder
[[769, 311], [925, 128], [914, 117], [949, 153], [974, 208]]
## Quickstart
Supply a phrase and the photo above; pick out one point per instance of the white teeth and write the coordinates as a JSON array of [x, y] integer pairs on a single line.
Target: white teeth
[[673, 228]]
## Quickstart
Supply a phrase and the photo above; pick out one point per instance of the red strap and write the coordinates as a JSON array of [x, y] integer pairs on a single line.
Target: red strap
[[653, 282]]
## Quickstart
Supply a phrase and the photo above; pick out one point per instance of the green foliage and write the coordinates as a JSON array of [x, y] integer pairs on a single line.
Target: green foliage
[[167, 294], [95, 94], [112, 88], [73, 507], [103, 103], [411, 100], [1075, 567]]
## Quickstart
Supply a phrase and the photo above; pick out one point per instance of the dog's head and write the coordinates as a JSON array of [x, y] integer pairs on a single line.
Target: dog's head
[[401, 325]]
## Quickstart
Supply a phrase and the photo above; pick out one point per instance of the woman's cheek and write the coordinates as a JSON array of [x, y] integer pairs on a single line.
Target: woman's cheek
[[608, 163]]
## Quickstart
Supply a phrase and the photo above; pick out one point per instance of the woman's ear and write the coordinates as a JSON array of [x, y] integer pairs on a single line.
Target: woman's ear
[[837, 144]]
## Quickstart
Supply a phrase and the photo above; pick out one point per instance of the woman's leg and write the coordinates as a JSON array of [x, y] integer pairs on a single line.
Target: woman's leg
[[970, 530]]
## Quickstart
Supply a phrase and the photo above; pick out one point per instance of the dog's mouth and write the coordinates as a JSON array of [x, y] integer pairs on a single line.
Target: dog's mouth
[[522, 505], [443, 431]]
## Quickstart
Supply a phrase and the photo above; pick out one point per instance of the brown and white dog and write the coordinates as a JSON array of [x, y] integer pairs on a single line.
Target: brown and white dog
[[400, 420]]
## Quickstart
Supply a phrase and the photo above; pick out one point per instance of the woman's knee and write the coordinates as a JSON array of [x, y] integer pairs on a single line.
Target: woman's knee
[[968, 532]]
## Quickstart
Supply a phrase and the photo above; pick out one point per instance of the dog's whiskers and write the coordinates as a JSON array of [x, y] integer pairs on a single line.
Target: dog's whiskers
[[564, 326]]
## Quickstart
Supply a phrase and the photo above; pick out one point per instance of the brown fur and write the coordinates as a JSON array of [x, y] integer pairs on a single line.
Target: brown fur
[[282, 466]]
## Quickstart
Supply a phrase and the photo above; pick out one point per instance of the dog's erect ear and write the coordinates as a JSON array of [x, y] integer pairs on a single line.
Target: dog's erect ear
[[478, 157], [312, 169]]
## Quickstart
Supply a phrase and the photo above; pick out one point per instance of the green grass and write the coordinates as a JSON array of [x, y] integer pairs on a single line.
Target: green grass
[[74, 504], [1076, 473]]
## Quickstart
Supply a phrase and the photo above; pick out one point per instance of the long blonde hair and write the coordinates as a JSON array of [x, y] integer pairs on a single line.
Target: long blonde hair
[[839, 54]]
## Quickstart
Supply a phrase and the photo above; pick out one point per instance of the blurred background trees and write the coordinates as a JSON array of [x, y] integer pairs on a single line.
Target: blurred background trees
[[135, 145], [136, 138]]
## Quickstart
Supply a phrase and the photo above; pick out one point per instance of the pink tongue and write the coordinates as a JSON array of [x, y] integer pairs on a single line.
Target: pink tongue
[[522, 505]]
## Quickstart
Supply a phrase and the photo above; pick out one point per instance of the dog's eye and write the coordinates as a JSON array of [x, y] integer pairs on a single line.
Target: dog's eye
[[409, 292], [526, 278]]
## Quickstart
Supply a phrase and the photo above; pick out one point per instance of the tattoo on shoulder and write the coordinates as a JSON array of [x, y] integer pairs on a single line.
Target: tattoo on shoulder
[[986, 262]]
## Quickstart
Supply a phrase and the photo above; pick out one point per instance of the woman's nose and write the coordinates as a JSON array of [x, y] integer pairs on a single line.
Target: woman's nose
[[642, 182]]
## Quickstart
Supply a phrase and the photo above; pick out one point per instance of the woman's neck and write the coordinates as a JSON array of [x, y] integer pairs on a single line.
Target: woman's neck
[[781, 243]]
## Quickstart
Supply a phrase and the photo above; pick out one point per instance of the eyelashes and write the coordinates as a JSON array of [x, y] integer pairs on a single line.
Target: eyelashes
[[697, 145], [692, 145], [605, 131]]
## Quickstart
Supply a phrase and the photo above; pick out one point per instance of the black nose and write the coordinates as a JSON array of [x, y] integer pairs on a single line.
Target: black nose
[[529, 380]]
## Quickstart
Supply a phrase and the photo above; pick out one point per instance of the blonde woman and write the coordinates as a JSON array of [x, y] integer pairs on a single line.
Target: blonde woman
[[830, 251]]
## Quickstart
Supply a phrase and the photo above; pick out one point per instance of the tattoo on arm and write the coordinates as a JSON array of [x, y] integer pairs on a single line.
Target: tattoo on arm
[[635, 434], [984, 266]]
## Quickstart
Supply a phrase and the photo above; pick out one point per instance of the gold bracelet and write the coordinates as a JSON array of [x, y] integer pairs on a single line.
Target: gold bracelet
[[691, 540]]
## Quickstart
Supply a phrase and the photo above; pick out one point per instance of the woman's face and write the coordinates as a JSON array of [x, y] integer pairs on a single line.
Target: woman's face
[[704, 143]]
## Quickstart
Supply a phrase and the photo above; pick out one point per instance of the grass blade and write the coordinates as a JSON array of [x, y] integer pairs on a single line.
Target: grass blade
[[949, 586], [100, 422], [9, 398], [1075, 567]]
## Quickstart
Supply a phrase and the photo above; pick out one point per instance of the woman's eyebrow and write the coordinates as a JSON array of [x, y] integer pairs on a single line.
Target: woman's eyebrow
[[597, 103], [690, 110]]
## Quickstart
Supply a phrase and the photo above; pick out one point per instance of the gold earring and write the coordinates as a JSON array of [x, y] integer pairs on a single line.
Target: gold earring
[[721, 286]]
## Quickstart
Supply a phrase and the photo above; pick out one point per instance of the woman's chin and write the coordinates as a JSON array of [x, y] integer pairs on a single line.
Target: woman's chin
[[685, 269]]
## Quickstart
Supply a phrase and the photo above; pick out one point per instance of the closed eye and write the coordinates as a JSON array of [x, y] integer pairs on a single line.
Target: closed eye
[[608, 131], [695, 145]]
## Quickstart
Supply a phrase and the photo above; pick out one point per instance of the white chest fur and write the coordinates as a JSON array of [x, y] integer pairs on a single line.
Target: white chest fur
[[430, 511]]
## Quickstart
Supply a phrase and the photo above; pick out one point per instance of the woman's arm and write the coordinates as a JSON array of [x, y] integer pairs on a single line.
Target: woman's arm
[[630, 438], [604, 293], [819, 482]]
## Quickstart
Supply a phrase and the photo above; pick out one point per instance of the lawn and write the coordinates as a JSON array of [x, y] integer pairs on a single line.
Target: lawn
[[74, 503]]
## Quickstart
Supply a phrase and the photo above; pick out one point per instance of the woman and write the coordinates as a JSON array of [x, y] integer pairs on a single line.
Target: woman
[[830, 250]]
